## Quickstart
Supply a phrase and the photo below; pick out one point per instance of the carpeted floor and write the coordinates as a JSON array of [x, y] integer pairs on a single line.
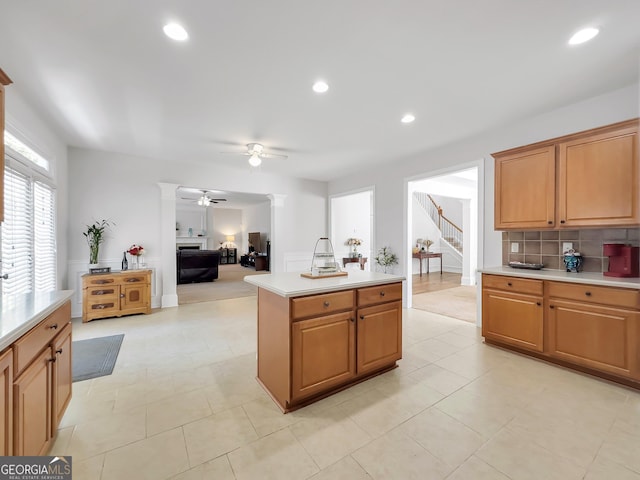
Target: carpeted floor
[[459, 302], [229, 284]]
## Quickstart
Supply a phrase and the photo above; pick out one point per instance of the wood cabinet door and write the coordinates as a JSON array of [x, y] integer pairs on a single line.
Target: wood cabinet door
[[525, 189], [598, 180], [32, 407], [62, 376], [133, 297], [513, 318], [6, 403], [323, 353], [379, 342], [599, 337]]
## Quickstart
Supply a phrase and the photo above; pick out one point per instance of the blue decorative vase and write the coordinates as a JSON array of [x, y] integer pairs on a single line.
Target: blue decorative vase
[[573, 262]]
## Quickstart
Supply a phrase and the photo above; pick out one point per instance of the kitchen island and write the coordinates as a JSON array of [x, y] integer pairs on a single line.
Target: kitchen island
[[319, 336]]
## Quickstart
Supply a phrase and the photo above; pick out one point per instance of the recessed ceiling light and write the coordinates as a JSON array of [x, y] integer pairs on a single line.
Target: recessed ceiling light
[[583, 35], [320, 86], [175, 32], [408, 118]]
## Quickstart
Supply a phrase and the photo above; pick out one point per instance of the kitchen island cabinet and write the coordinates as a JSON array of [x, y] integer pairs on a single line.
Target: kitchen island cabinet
[[316, 337]]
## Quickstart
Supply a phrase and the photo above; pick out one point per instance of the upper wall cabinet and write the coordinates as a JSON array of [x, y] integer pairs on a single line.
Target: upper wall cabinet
[[4, 80], [588, 179]]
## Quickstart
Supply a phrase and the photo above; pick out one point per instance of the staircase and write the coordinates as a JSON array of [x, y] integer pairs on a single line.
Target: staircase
[[449, 231]]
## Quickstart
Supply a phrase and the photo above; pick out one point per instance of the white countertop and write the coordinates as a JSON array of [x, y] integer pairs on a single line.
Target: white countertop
[[590, 278], [291, 284], [21, 312]]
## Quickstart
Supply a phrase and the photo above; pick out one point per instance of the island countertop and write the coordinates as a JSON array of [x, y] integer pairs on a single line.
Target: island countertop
[[590, 278], [19, 313], [291, 284]]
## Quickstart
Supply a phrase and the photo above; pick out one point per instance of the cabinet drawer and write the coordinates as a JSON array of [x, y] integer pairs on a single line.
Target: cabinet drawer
[[100, 279], [379, 294], [513, 284], [101, 294], [321, 304], [105, 307], [615, 297], [29, 345], [127, 279]]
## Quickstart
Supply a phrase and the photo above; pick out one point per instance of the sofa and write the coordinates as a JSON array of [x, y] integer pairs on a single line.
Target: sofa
[[195, 266]]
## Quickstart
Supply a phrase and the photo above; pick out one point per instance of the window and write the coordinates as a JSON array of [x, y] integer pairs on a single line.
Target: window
[[28, 232]]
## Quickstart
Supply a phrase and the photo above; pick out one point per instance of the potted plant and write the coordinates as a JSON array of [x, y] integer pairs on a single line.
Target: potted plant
[[95, 236], [386, 258]]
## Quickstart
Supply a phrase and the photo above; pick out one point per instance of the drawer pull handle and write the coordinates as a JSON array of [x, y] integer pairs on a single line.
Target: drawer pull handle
[[51, 360], [59, 351], [326, 304], [103, 292], [382, 293], [588, 294], [132, 280], [102, 306], [102, 282], [361, 317], [53, 327]]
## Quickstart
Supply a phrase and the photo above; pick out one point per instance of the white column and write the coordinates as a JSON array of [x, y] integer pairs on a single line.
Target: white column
[[168, 243], [277, 230]]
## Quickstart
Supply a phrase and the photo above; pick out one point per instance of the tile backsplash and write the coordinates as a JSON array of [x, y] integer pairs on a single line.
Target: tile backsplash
[[546, 246]]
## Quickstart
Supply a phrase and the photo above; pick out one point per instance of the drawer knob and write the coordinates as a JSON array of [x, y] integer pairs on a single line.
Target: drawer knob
[[509, 284], [361, 317], [551, 306], [53, 327], [352, 319], [122, 295], [326, 304], [382, 293], [538, 303], [562, 221], [588, 294], [550, 222]]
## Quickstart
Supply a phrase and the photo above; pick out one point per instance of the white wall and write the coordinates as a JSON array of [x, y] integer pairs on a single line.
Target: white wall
[[256, 218], [226, 221], [391, 204], [24, 122], [125, 190]]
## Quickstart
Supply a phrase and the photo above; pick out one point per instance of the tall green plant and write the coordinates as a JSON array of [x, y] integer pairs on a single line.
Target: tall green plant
[[95, 236]]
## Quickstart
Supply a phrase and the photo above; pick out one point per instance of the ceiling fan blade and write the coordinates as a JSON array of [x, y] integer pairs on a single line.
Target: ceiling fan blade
[[218, 199], [273, 155], [236, 153]]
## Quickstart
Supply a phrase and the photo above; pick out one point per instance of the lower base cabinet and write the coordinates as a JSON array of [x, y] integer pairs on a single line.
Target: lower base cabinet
[[312, 346], [587, 326], [42, 383], [6, 403]]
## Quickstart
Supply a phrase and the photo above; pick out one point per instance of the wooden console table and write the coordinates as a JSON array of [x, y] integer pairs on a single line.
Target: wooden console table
[[427, 255], [360, 260]]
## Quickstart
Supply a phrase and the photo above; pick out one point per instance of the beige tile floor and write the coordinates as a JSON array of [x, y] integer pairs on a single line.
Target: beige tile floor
[[183, 404]]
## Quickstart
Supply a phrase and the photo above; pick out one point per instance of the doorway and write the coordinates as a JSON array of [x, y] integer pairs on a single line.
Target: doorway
[[443, 238], [351, 217]]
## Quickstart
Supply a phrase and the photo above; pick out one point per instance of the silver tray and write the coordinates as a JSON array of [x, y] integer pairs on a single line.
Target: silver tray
[[529, 266]]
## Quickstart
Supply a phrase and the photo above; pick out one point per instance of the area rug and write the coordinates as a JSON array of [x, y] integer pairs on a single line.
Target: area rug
[[459, 302], [229, 284], [95, 357]]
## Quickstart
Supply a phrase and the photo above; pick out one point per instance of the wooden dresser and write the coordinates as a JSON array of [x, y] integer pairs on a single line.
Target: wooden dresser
[[115, 294]]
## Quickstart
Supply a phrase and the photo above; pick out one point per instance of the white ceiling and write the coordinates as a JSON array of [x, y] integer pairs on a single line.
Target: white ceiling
[[106, 76]]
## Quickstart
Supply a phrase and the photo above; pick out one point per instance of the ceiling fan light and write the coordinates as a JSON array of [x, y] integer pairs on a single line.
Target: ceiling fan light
[[255, 160], [175, 32]]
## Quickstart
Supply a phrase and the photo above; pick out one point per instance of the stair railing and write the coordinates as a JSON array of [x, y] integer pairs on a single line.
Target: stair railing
[[448, 230]]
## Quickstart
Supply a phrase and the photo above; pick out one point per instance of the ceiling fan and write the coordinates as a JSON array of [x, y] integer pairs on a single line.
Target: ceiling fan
[[255, 152], [205, 200]]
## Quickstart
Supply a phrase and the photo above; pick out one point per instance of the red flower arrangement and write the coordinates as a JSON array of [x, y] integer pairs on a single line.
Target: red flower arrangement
[[136, 250]]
